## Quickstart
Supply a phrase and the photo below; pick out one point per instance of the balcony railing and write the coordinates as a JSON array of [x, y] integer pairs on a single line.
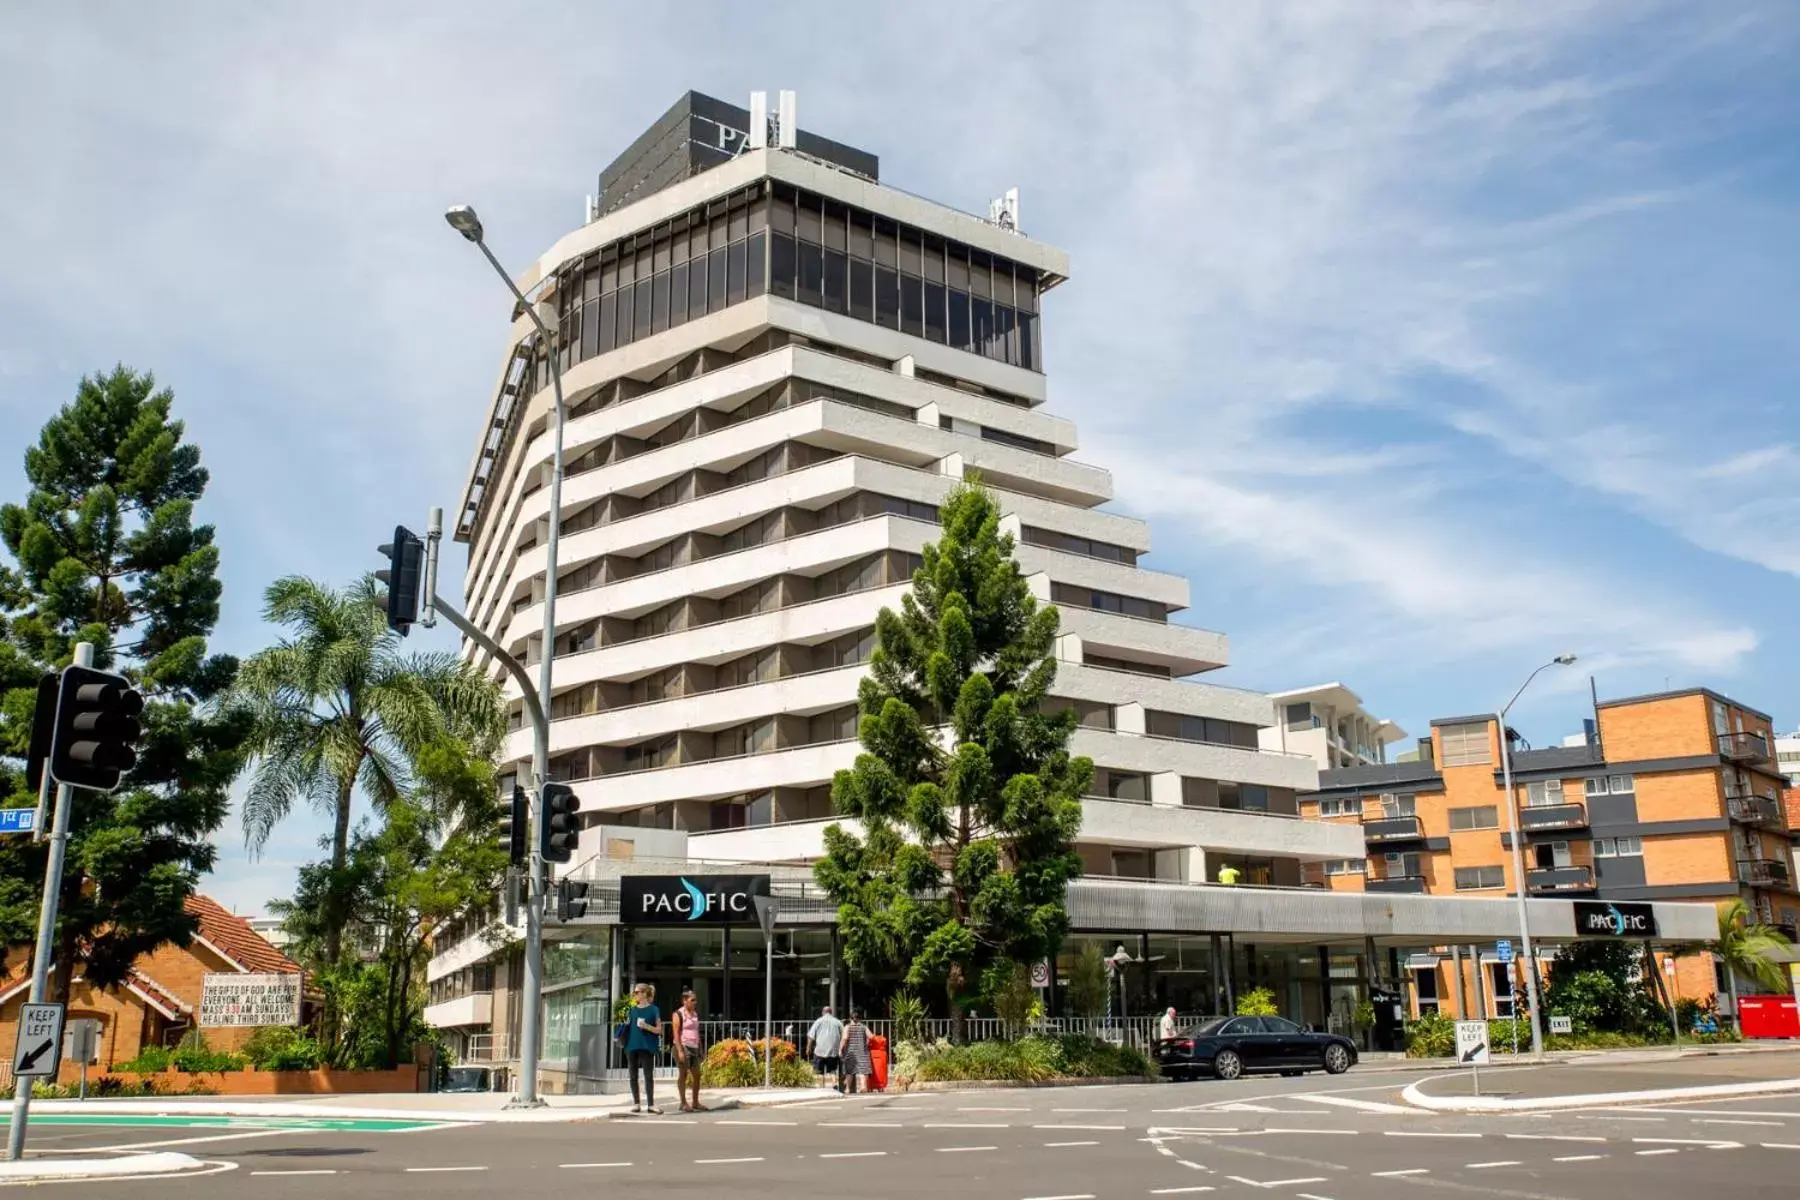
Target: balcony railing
[[1392, 829], [1744, 747], [1560, 879], [1396, 883], [1764, 872], [1572, 815], [1752, 807]]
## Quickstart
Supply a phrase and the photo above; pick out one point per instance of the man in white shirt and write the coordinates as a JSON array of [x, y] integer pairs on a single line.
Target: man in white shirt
[[824, 1041], [1169, 1028]]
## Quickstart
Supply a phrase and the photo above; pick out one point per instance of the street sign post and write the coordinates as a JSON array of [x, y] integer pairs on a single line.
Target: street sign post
[[18, 820], [84, 1046], [1040, 974], [1472, 1047], [38, 1052], [766, 909]]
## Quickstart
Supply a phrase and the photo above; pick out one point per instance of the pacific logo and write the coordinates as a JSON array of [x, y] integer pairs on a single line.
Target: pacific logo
[[696, 900]]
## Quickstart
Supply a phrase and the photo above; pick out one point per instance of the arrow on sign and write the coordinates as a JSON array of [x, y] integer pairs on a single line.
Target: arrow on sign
[[30, 1059], [1470, 1054]]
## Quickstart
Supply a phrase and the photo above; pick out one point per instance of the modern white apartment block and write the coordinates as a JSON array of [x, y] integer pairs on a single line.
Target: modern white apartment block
[[775, 367], [1329, 723]]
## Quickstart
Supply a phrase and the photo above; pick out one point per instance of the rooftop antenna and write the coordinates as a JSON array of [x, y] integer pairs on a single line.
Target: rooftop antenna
[[759, 121], [1003, 210], [787, 130]]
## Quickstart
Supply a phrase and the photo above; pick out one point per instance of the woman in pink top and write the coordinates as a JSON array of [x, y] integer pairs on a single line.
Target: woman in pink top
[[687, 1053]]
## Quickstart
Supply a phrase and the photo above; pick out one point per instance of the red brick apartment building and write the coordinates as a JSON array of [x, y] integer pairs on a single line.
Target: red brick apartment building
[[1674, 796]]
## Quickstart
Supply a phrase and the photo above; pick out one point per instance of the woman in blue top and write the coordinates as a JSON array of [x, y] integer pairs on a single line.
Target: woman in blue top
[[643, 1039]]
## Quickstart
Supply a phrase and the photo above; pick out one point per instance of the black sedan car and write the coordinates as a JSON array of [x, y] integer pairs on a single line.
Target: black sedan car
[[1232, 1046]]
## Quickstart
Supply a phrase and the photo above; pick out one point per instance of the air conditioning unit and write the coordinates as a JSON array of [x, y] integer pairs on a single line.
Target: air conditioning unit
[[1553, 785]]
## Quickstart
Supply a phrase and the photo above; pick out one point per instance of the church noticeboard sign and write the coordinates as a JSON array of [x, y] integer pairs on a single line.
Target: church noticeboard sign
[[232, 1000]]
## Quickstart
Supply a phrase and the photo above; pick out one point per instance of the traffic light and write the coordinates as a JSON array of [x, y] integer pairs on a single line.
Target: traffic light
[[96, 729], [560, 831], [513, 824], [404, 578], [571, 899], [43, 728]]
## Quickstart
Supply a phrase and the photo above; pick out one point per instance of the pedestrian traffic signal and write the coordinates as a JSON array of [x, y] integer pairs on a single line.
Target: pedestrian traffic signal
[[513, 824], [404, 577], [561, 829], [94, 740], [571, 899]]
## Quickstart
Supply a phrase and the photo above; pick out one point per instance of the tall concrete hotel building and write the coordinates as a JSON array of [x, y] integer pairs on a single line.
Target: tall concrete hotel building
[[776, 366]]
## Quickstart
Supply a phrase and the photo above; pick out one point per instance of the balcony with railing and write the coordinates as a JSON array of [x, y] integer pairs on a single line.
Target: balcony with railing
[[1395, 883], [1753, 806], [1389, 830], [1765, 872], [1744, 746], [1572, 815], [1560, 879]]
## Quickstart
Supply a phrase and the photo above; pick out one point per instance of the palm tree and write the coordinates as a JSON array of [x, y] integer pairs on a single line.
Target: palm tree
[[336, 706], [1744, 946]]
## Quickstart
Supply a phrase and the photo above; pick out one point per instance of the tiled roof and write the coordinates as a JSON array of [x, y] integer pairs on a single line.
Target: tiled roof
[[233, 935]]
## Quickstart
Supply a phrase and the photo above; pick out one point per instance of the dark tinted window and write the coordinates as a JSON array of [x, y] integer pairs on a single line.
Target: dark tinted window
[[1280, 1025], [1242, 1025]]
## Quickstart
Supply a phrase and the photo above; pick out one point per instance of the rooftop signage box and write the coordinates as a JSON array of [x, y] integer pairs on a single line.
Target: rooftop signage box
[[1597, 918], [690, 899], [696, 134]]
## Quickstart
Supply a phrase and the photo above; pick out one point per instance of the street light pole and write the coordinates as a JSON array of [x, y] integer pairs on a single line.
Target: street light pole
[[463, 219], [1528, 957]]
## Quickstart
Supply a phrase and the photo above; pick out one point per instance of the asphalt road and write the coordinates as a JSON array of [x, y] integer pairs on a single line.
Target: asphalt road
[[1316, 1138]]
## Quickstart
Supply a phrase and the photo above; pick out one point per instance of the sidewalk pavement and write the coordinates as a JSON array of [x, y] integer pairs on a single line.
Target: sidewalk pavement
[[125, 1166], [1636, 1078], [442, 1107]]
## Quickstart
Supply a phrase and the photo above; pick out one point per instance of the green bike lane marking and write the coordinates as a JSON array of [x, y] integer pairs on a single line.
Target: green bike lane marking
[[167, 1121]]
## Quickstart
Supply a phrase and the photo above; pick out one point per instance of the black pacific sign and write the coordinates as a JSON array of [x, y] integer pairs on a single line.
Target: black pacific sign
[[1597, 918], [690, 899]]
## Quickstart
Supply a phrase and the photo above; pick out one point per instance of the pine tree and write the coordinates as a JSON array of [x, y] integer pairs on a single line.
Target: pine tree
[[105, 551], [967, 796]]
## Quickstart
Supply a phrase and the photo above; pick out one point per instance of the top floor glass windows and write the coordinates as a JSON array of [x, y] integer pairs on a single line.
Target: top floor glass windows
[[847, 261]]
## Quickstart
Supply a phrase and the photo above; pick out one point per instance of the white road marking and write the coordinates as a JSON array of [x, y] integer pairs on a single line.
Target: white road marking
[[439, 1170], [1310, 1132], [590, 1166], [1724, 1121], [859, 1124], [1076, 1196], [1503, 1162], [188, 1141], [1779, 1146], [1555, 1137], [1681, 1142], [1424, 1133], [856, 1154], [1670, 1150], [1393, 1174], [1085, 1110], [1240, 1106], [1180, 1191], [1587, 1118], [1275, 1183], [964, 1125], [314, 1171], [1710, 1112], [741, 1122], [1373, 1106], [1058, 1145], [1578, 1158], [964, 1149], [708, 1162], [1310, 1196], [970, 1108], [1100, 1127]]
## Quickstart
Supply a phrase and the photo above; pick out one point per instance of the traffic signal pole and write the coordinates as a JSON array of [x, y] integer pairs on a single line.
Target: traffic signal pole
[[46, 934], [537, 886]]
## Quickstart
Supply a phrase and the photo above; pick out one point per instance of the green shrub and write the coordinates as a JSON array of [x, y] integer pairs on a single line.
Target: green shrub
[[1091, 1058], [278, 1048], [1431, 1036], [1257, 1002], [150, 1061], [1032, 1059], [908, 1012], [738, 1063], [198, 1060]]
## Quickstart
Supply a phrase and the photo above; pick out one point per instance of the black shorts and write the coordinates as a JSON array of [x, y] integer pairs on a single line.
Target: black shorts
[[828, 1065], [689, 1057]]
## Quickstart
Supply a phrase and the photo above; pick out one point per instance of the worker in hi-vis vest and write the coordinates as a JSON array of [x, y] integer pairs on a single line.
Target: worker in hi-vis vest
[[1228, 874]]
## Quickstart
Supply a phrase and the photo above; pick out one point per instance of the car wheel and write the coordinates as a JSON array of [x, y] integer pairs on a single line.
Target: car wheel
[[1337, 1059], [1228, 1065]]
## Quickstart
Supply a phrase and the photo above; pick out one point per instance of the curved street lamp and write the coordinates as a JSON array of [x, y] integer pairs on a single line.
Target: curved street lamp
[[462, 218], [1518, 855]]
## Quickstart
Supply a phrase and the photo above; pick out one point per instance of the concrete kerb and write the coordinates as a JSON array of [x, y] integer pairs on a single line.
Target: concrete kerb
[[249, 1109], [1419, 1098], [125, 1166]]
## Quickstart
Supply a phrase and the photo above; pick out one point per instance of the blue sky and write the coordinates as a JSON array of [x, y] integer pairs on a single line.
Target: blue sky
[[1433, 339]]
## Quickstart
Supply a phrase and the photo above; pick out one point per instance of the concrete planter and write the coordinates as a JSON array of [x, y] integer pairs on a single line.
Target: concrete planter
[[251, 1082]]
